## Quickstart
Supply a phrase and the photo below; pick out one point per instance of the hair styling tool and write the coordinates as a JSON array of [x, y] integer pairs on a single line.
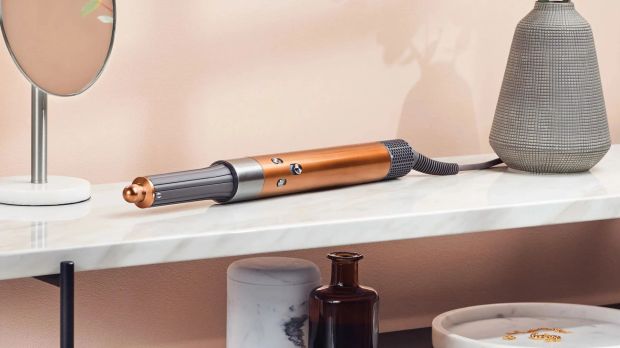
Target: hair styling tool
[[279, 174]]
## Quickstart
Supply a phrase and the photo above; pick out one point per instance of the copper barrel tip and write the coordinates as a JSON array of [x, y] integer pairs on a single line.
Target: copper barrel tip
[[141, 192], [134, 193]]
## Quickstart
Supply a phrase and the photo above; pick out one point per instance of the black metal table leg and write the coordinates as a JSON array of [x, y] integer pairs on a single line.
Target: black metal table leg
[[66, 304], [65, 281]]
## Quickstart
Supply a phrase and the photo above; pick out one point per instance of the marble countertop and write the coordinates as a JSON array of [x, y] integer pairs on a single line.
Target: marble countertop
[[106, 232]]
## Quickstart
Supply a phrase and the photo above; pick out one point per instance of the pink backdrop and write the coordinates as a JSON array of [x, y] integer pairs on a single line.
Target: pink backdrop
[[194, 81]]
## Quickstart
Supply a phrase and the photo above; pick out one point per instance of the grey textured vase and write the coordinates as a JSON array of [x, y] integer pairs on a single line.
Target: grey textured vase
[[551, 115]]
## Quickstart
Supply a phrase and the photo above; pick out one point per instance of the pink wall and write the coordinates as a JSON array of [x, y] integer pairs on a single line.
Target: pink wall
[[186, 78]]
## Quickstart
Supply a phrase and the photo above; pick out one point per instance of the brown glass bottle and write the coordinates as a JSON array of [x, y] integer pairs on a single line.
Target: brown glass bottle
[[344, 314]]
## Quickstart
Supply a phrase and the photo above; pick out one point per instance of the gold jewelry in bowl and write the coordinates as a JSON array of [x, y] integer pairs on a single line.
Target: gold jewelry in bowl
[[535, 334]]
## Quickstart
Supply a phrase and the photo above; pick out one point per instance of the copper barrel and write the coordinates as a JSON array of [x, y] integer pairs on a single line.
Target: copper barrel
[[314, 169]]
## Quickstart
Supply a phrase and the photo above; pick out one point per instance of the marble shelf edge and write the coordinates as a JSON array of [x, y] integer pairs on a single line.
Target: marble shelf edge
[[196, 247]]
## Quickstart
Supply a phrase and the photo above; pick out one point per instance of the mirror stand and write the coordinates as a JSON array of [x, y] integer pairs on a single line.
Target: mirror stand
[[38, 140], [39, 189]]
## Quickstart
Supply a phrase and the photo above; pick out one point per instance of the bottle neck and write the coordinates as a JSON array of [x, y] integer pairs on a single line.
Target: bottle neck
[[344, 274]]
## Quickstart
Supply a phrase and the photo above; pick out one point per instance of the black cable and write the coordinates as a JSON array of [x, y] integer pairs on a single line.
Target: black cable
[[480, 166], [430, 166]]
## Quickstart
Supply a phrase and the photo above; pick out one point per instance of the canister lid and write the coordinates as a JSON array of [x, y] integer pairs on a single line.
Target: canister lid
[[282, 271]]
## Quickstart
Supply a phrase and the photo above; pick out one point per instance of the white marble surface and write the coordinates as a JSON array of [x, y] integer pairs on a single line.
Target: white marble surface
[[116, 234], [485, 326], [267, 302]]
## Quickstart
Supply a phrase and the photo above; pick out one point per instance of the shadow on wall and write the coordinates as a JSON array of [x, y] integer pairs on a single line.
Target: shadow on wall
[[438, 113]]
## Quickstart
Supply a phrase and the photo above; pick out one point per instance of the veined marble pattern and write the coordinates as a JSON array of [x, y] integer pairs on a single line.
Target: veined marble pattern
[[106, 232], [267, 302]]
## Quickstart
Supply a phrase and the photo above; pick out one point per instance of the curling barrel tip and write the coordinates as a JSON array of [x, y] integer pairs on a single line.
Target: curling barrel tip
[[134, 193]]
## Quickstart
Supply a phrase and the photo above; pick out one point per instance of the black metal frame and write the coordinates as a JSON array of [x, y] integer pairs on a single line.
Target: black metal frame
[[65, 281]]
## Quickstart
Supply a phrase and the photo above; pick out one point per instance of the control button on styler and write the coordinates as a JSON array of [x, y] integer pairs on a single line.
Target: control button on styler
[[296, 168], [277, 160], [281, 182]]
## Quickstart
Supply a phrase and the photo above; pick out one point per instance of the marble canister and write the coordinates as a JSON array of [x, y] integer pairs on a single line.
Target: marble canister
[[268, 302]]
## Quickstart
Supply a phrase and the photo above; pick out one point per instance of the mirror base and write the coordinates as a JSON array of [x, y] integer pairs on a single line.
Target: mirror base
[[58, 190]]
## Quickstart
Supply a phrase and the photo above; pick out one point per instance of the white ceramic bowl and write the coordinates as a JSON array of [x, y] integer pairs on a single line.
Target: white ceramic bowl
[[485, 326]]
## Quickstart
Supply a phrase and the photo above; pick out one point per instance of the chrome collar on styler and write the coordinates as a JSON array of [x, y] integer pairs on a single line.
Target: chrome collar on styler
[[272, 175]]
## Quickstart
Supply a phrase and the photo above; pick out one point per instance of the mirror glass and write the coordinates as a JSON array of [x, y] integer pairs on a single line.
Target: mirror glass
[[61, 46]]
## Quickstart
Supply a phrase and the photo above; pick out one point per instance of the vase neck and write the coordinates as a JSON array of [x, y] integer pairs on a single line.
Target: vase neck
[[554, 6], [344, 269]]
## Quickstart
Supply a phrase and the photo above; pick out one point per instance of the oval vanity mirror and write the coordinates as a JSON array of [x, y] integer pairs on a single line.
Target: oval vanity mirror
[[61, 47]]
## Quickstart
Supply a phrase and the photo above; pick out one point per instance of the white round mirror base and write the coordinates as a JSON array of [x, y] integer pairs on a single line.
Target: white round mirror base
[[18, 190]]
